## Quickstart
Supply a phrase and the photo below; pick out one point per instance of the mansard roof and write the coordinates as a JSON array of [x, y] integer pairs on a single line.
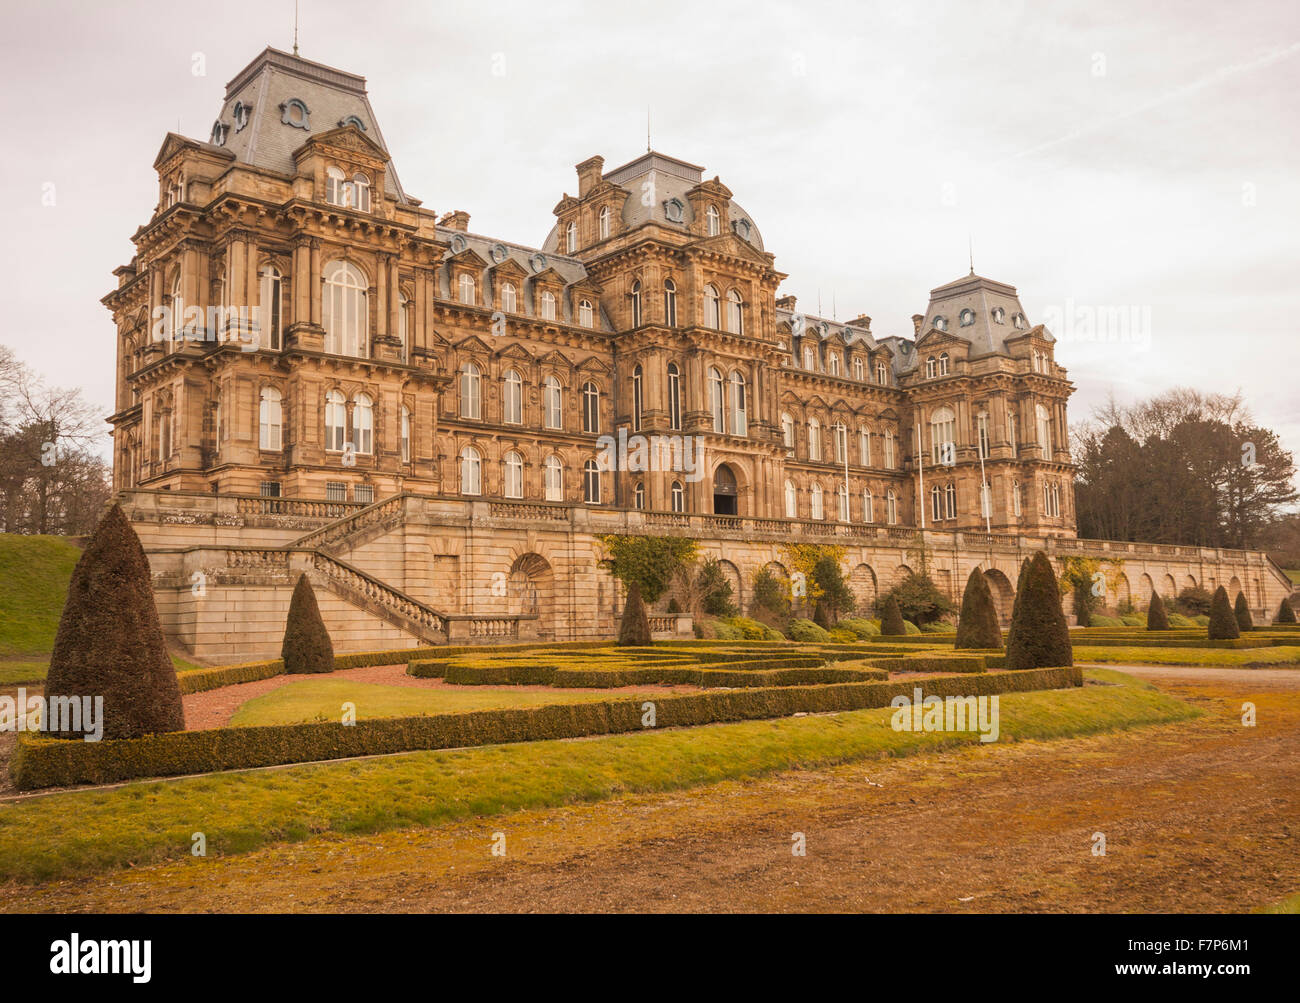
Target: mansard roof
[[981, 297]]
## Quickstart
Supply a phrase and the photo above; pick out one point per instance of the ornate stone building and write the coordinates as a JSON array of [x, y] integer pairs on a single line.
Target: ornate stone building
[[300, 334]]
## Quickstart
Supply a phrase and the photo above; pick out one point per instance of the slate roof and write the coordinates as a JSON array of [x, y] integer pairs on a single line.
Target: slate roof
[[981, 296]]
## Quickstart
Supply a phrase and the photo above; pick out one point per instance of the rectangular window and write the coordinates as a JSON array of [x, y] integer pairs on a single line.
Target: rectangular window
[[364, 493], [270, 489], [336, 491]]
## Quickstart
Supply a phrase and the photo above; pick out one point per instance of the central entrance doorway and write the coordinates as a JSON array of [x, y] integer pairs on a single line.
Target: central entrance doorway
[[724, 492]]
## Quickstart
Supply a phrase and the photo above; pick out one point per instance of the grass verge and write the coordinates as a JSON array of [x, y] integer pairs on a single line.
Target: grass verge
[[1247, 658], [82, 832]]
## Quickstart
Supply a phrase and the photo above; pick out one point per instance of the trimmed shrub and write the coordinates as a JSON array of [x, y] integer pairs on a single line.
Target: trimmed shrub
[[932, 663], [861, 627], [891, 617], [674, 607], [1201, 620], [750, 630], [200, 680], [1156, 619], [978, 625], [1101, 620], [1178, 620], [910, 628], [1223, 624], [806, 631], [427, 668], [1193, 602], [1041, 636], [1242, 612], [1285, 613], [635, 625], [110, 641], [918, 599], [841, 635], [306, 646], [1133, 620], [938, 627]]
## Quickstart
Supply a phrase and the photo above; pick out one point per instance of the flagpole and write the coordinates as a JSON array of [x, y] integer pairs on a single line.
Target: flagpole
[[986, 496], [920, 469]]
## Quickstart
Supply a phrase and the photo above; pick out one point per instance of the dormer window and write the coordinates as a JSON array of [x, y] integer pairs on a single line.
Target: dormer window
[[585, 313], [675, 210], [931, 368], [999, 315], [353, 120], [219, 132], [741, 228], [360, 193], [339, 191], [1018, 320], [241, 113], [943, 364], [571, 238], [714, 219], [293, 112], [967, 318], [941, 323], [604, 222]]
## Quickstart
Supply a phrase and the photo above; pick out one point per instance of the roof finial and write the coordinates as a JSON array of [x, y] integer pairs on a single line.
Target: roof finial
[[970, 248], [647, 128], [295, 27]]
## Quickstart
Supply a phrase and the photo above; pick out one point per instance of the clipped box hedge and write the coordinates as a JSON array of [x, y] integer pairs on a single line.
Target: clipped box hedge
[[712, 678], [48, 762], [937, 663]]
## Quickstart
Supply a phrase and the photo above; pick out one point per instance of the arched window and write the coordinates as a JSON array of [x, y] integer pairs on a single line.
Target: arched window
[[982, 433], [943, 364], [714, 219], [678, 497], [716, 402], [336, 421], [471, 395], [343, 313], [712, 308], [591, 408], [809, 358], [548, 305], [999, 315], [857, 369], [404, 310], [512, 398], [739, 414], [270, 420], [833, 362], [840, 441], [817, 512], [585, 313], [882, 374], [735, 313], [966, 318], [509, 298], [554, 479], [406, 434], [591, 483], [638, 496], [791, 501], [360, 193], [471, 471], [512, 469], [670, 303], [814, 439], [889, 449], [936, 502], [270, 322], [636, 303], [1018, 320], [787, 431], [950, 500], [842, 494], [1056, 498], [465, 285], [637, 400], [363, 424], [891, 508], [1044, 431], [571, 238], [931, 368], [552, 404], [868, 506], [941, 323], [864, 447], [943, 437], [335, 183], [176, 327], [1012, 431], [674, 396], [604, 222]]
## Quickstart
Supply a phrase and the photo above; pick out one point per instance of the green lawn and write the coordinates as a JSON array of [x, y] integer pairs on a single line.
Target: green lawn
[[81, 832], [322, 699], [1243, 658], [34, 575], [15, 672]]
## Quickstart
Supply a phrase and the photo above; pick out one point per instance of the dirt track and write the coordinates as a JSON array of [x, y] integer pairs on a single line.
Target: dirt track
[[1201, 815]]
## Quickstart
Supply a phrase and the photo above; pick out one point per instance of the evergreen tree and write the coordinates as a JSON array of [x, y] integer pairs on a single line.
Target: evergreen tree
[[978, 626], [1039, 634], [307, 646], [1242, 612], [1285, 612], [110, 643], [891, 619], [1156, 617], [634, 629], [1223, 624]]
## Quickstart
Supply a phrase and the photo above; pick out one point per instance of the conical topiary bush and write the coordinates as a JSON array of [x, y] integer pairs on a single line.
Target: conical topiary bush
[[978, 625], [891, 618], [1157, 619], [1242, 612], [635, 626], [110, 643], [1223, 624], [307, 646], [1039, 635], [1015, 603], [1285, 612]]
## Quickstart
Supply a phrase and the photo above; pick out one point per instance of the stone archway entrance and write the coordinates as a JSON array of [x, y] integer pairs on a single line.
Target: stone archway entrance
[[531, 590], [725, 492]]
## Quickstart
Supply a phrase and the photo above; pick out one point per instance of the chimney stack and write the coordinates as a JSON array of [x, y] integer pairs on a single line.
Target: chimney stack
[[589, 173], [458, 220], [917, 318]]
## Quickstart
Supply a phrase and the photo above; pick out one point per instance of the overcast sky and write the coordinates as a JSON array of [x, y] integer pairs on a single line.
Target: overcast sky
[[1134, 160]]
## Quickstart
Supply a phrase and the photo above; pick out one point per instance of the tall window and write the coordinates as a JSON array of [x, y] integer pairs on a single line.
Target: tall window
[[343, 311], [943, 364], [404, 311], [1013, 430], [678, 497], [512, 403], [591, 408], [638, 496], [1044, 431], [571, 238], [466, 288], [714, 219], [833, 362], [842, 493], [857, 369], [986, 501], [950, 500], [882, 374], [931, 368], [982, 426], [840, 438], [868, 506], [363, 424], [585, 313], [406, 434], [936, 502], [591, 483], [335, 180], [471, 392], [864, 447], [716, 402], [604, 222], [336, 421], [270, 420], [271, 319], [636, 303], [553, 479], [471, 471], [509, 298], [548, 305], [712, 308], [809, 358], [787, 431], [943, 437], [552, 403], [674, 396], [513, 475], [817, 511], [636, 398], [791, 501], [891, 508], [889, 449], [814, 439], [176, 326], [739, 414], [735, 313]]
